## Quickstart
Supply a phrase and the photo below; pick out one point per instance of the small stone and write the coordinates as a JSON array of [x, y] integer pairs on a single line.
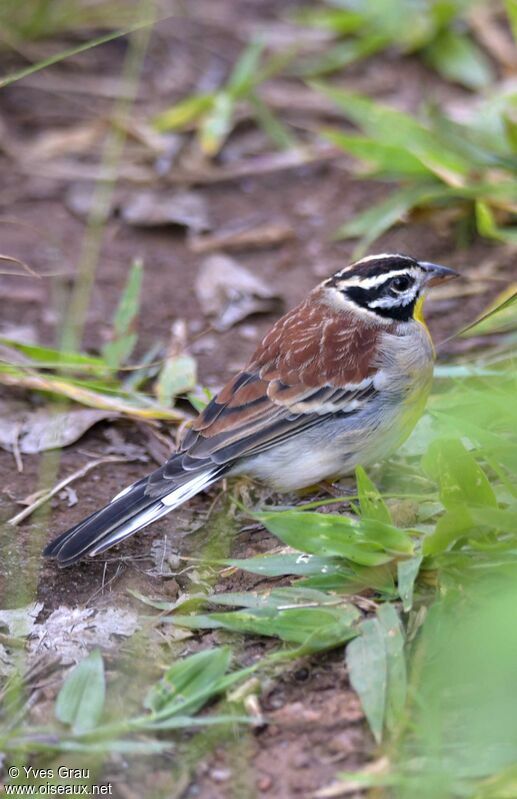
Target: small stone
[[171, 588], [220, 774], [264, 783], [276, 702]]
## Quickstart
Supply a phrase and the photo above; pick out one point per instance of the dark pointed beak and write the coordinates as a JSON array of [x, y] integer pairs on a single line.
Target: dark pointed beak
[[437, 273]]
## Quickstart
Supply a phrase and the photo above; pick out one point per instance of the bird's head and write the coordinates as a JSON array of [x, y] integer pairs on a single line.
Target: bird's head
[[390, 286]]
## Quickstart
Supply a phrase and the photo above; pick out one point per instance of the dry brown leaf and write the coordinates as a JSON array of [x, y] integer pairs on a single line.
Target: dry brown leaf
[[342, 788], [87, 396], [230, 293], [37, 431], [57, 142], [152, 208]]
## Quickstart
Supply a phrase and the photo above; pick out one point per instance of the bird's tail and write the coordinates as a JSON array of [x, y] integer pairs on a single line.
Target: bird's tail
[[128, 512]]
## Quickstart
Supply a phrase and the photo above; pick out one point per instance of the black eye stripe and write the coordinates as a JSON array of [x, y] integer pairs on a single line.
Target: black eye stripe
[[401, 308]]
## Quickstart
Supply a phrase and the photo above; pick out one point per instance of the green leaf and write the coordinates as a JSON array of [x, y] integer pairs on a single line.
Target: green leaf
[[340, 21], [400, 130], [216, 124], [277, 598], [500, 317], [377, 668], [458, 58], [460, 478], [198, 403], [371, 224], [188, 684], [270, 124], [501, 519], [365, 541], [407, 572], [80, 701], [371, 503], [488, 227], [280, 565], [48, 358], [245, 71], [184, 113], [313, 628], [352, 579], [511, 10], [383, 158], [177, 376], [396, 661], [456, 523], [118, 350], [340, 55], [367, 663]]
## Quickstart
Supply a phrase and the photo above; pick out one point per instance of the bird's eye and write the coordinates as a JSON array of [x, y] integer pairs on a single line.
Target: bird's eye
[[400, 284]]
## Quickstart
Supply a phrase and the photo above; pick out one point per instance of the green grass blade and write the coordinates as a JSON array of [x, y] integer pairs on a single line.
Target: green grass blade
[[371, 224], [118, 350], [68, 53], [184, 113], [80, 701], [457, 58], [183, 687], [245, 71]]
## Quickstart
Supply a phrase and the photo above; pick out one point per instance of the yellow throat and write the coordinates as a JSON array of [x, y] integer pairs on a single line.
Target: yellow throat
[[418, 314]]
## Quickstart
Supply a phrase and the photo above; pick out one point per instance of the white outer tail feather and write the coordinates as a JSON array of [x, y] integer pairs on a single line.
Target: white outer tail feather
[[161, 507]]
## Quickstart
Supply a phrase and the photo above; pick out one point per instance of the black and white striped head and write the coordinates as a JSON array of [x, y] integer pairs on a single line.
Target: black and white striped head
[[388, 285]]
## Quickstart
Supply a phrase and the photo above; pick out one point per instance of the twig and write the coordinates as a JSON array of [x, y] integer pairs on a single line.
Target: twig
[[27, 269], [104, 582], [16, 447], [62, 484]]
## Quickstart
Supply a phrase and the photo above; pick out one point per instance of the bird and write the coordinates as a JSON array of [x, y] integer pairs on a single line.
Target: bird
[[339, 381]]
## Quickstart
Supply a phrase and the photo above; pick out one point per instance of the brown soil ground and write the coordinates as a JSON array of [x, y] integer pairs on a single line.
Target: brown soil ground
[[315, 725]]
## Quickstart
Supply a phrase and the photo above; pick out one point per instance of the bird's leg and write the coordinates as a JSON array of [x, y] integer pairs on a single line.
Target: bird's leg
[[335, 488]]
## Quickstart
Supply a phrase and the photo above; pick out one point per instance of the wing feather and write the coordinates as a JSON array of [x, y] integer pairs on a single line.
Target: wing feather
[[314, 363]]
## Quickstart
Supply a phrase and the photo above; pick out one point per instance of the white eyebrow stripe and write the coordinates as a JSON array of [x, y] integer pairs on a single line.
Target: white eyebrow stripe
[[378, 280]]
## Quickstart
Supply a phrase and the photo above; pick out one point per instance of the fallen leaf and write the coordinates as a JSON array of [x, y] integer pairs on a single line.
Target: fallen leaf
[[151, 208], [230, 293], [57, 142], [133, 404], [45, 429]]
